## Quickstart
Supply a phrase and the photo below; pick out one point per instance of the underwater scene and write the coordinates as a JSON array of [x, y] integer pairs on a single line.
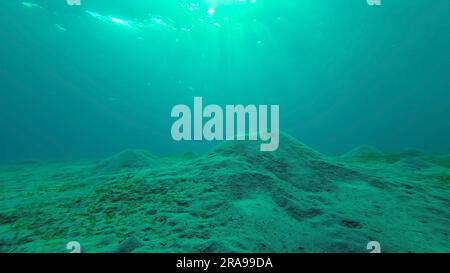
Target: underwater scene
[[224, 126]]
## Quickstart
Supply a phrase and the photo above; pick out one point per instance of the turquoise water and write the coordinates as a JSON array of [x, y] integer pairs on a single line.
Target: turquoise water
[[87, 154], [75, 83]]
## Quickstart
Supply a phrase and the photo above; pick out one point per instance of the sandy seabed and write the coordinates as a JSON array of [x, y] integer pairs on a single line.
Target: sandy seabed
[[232, 199]]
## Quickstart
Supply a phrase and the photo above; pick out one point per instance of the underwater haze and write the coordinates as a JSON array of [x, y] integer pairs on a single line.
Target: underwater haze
[[86, 152], [90, 80]]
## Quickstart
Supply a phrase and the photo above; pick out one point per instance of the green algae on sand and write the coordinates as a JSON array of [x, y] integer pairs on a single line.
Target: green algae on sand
[[232, 199]]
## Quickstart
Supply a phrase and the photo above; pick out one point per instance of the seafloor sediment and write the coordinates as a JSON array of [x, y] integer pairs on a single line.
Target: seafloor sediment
[[232, 199]]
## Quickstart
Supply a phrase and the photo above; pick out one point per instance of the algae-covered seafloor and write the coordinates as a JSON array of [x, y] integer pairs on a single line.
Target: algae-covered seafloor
[[232, 199]]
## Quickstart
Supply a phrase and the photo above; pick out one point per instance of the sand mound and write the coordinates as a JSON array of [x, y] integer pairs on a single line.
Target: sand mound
[[413, 163], [129, 159], [289, 147], [363, 151], [293, 162]]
